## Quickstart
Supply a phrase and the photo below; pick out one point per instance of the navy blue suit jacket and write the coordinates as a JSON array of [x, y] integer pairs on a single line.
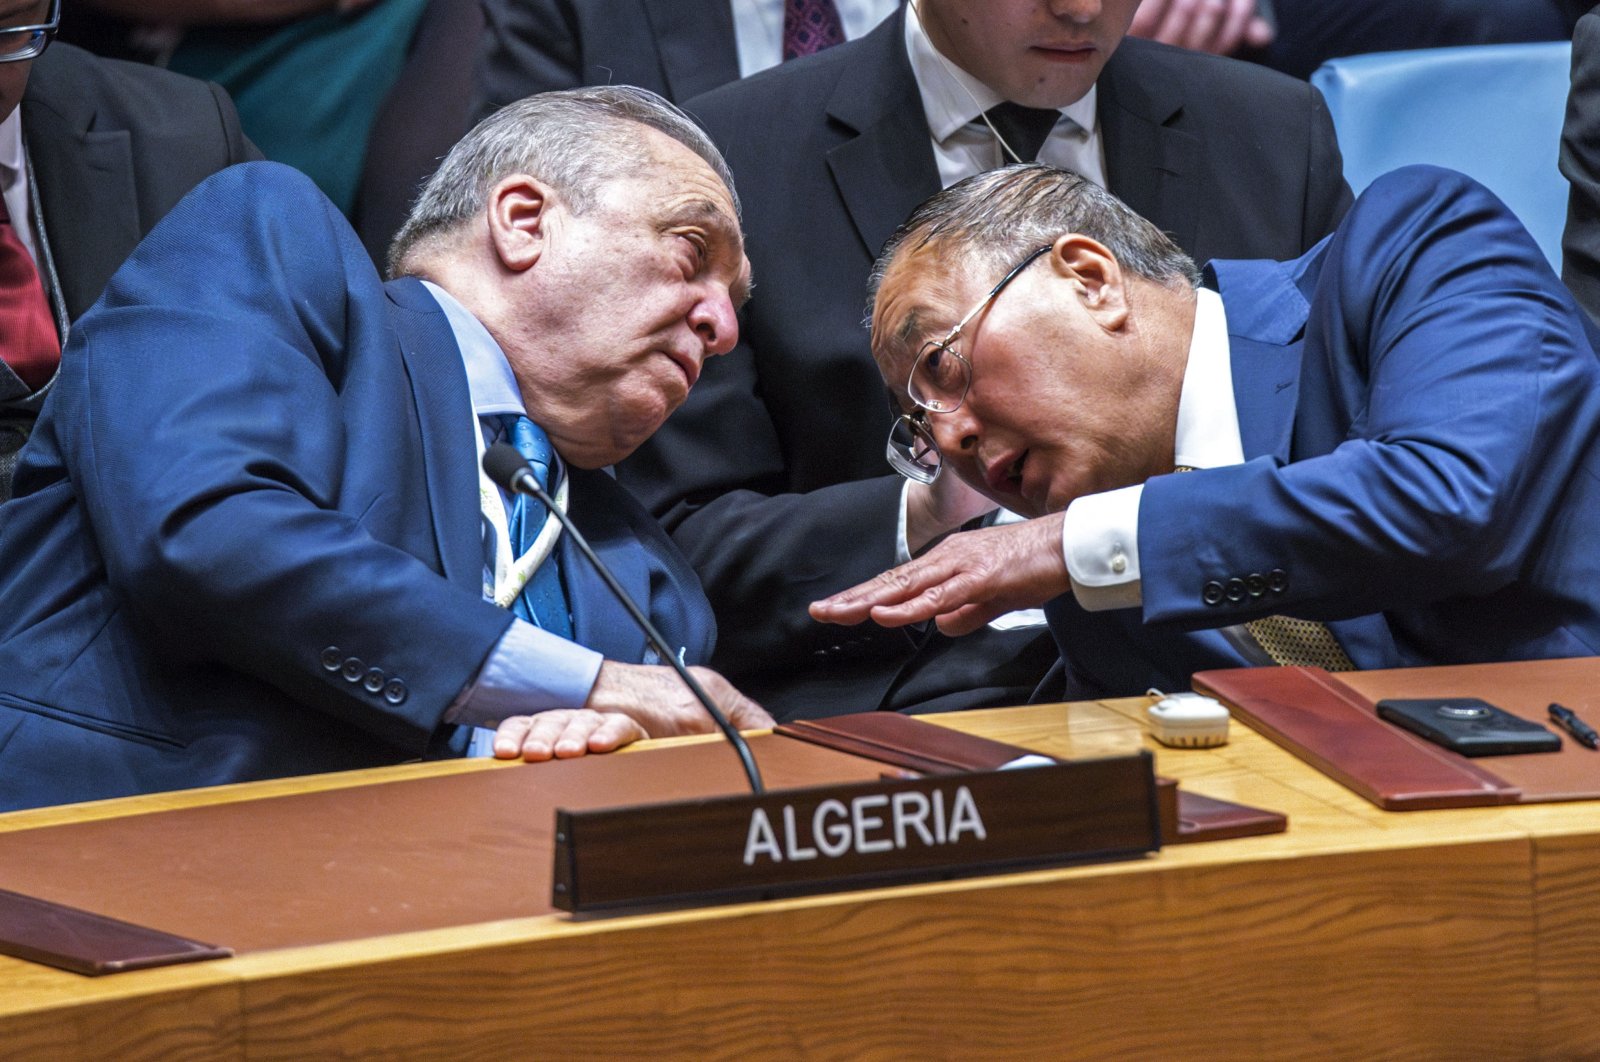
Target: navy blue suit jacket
[[1419, 401], [246, 539]]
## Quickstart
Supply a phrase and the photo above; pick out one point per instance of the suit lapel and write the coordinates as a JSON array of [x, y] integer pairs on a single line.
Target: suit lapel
[[86, 186], [885, 166], [444, 418], [1266, 323], [598, 619], [1149, 165], [695, 42]]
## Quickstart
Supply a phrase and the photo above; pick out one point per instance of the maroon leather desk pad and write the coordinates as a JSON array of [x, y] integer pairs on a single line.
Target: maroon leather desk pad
[[365, 861], [905, 741], [1331, 722]]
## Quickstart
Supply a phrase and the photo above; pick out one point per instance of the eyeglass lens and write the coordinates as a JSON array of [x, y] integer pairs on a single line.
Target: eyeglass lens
[[912, 451], [939, 378], [27, 41]]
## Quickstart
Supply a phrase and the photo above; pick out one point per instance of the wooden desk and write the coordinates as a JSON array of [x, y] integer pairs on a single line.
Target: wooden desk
[[1358, 934]]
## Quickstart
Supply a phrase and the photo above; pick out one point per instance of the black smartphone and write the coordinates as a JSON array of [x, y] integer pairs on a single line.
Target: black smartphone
[[1469, 726]]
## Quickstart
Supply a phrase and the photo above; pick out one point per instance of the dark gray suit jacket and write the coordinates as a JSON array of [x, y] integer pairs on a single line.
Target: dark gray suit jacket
[[113, 146], [678, 48], [1580, 164], [772, 475]]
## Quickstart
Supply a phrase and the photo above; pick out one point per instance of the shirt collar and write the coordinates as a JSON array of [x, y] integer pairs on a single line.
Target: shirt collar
[[953, 98], [1208, 419], [11, 148], [490, 382]]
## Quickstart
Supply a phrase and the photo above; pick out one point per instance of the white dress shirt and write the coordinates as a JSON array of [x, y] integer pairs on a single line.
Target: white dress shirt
[[1100, 533], [964, 145], [14, 181], [758, 27]]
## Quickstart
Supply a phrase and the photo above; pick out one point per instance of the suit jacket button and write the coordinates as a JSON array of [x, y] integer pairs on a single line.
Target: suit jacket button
[[395, 692], [1277, 580], [1236, 591], [1256, 584], [353, 669], [332, 658], [372, 681], [1211, 593]]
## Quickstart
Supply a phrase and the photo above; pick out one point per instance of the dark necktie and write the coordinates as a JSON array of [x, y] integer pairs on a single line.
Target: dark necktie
[[542, 601], [28, 340], [1023, 128], [809, 26]]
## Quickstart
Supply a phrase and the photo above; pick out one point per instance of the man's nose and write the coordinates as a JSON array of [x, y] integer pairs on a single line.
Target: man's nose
[[1080, 11], [716, 323], [956, 432]]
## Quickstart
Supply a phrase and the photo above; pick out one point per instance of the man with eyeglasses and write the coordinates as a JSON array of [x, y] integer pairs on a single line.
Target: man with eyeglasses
[[1389, 447], [92, 154], [766, 476]]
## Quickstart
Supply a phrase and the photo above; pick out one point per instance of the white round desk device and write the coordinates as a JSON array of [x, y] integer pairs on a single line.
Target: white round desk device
[[1188, 721]]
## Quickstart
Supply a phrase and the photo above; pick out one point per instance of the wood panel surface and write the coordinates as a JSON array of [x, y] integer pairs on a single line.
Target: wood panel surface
[[1356, 934]]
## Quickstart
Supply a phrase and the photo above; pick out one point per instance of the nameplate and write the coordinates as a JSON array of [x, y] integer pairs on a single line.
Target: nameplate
[[840, 837]]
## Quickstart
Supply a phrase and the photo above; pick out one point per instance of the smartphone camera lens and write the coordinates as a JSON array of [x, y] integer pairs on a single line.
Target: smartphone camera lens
[[1463, 711]]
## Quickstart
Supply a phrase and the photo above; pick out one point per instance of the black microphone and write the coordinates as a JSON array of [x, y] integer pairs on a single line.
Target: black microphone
[[510, 470]]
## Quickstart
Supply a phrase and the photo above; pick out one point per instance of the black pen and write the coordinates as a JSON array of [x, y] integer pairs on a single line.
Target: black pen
[[1568, 720]]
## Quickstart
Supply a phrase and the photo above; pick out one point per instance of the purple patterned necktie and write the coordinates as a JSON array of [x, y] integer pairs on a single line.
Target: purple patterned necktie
[[810, 26]]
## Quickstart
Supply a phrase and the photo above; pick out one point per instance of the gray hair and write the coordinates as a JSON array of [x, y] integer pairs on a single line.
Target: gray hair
[[997, 217], [575, 141]]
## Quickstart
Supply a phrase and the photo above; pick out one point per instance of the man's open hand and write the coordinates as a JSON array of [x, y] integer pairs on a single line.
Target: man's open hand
[[563, 734], [964, 582]]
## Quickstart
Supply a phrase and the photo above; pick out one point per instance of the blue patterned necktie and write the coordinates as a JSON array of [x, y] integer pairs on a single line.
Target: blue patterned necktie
[[542, 601]]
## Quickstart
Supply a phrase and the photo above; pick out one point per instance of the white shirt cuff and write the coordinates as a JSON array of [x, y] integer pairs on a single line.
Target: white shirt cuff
[[1100, 542], [902, 551]]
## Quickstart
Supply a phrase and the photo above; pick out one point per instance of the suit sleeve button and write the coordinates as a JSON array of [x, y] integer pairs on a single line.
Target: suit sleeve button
[[1236, 591], [1211, 593], [332, 658], [1256, 584], [1277, 580], [352, 669], [395, 692], [372, 681]]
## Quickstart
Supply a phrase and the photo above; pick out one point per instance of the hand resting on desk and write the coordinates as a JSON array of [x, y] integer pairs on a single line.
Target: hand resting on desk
[[628, 702]]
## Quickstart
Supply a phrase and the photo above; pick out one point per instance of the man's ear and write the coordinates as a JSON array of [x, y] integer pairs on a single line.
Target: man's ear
[[518, 209], [1095, 275]]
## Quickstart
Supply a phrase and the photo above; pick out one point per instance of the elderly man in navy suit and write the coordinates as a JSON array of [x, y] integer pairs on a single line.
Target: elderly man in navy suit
[[1390, 445], [250, 536]]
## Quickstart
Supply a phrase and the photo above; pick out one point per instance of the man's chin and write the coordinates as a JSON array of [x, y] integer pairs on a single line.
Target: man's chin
[[1014, 502]]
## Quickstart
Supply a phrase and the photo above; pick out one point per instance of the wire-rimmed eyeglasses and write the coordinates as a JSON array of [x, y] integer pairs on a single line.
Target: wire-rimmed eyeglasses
[[940, 377], [18, 43]]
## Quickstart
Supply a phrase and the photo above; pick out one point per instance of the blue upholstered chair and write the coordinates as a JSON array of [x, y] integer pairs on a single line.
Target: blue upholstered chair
[[1491, 111]]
